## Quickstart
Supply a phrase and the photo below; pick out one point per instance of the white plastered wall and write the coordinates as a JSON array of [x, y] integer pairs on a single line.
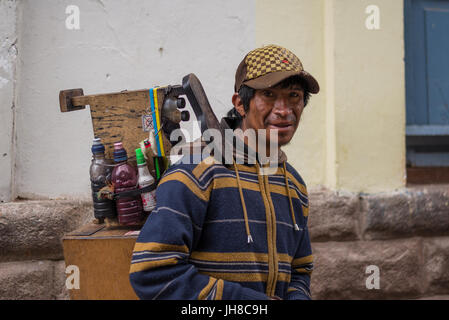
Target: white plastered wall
[[351, 137], [8, 58], [120, 45]]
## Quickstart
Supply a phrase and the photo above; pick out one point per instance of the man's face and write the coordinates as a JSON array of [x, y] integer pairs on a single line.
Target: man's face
[[276, 108]]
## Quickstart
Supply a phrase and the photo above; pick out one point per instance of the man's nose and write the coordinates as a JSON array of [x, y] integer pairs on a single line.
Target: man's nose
[[281, 107]]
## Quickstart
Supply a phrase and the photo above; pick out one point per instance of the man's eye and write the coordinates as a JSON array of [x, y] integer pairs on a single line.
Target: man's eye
[[294, 94], [267, 93]]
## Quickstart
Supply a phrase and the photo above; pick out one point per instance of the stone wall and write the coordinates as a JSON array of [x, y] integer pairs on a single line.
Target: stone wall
[[405, 234], [31, 257]]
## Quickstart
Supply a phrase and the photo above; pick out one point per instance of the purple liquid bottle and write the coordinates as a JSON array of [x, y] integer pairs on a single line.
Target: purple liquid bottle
[[124, 177], [100, 173]]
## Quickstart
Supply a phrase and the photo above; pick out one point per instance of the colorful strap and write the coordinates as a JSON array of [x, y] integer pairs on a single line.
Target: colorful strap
[[156, 125], [159, 133]]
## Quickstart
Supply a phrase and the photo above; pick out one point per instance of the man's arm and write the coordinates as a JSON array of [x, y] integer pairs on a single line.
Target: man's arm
[[302, 264], [301, 270], [160, 267]]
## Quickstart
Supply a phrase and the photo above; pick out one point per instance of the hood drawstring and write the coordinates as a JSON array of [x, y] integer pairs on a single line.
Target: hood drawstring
[[242, 200], [290, 198]]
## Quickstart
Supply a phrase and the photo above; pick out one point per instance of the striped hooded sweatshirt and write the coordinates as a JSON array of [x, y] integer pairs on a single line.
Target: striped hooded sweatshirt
[[225, 232]]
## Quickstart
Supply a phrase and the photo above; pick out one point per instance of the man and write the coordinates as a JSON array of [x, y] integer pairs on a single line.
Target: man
[[227, 231]]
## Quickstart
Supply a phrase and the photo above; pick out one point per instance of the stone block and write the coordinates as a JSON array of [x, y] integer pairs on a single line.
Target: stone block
[[431, 208], [340, 269], [33, 230], [60, 290], [387, 215], [436, 261], [406, 213], [443, 297], [333, 216], [26, 280]]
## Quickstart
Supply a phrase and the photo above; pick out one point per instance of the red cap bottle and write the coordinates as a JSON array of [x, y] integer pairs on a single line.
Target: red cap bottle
[[124, 177]]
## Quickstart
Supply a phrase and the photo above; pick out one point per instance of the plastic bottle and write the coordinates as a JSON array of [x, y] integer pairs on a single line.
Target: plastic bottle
[[100, 173], [124, 178], [145, 179]]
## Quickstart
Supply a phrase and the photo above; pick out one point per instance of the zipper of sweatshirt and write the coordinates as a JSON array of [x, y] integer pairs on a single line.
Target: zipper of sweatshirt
[[271, 236]]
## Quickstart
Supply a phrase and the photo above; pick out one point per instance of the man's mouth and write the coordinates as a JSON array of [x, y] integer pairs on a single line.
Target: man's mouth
[[280, 125]]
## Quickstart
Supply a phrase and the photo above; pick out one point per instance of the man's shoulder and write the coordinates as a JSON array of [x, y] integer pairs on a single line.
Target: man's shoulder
[[185, 175], [295, 174], [195, 167]]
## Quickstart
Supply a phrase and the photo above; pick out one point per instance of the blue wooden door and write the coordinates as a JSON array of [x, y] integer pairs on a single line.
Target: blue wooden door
[[427, 79]]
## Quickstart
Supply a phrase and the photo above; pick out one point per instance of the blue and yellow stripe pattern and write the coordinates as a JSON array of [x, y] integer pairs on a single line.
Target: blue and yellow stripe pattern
[[194, 244]]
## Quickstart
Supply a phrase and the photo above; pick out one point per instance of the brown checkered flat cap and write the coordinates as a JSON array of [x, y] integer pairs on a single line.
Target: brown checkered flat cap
[[267, 66]]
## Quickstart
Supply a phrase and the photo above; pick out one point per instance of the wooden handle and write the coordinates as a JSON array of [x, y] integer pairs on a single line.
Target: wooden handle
[[65, 100]]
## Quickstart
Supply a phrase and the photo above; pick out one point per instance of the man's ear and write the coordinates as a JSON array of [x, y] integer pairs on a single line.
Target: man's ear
[[238, 104]]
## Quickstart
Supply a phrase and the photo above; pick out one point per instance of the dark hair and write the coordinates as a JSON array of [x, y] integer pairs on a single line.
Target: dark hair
[[246, 94]]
